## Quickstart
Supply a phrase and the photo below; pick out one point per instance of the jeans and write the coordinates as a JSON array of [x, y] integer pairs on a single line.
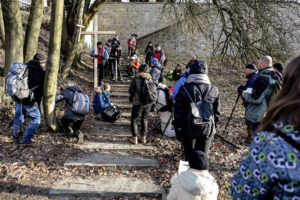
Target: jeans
[[137, 110], [74, 124], [35, 115]]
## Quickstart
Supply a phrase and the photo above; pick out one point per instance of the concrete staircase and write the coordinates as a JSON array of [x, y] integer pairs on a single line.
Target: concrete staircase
[[110, 151]]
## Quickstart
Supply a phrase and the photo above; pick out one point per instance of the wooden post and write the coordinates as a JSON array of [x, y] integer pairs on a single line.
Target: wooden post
[[95, 51]]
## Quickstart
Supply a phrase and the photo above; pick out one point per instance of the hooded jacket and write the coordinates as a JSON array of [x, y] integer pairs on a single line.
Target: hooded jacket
[[68, 95], [36, 76], [193, 185], [180, 83], [135, 87], [270, 169], [101, 101], [149, 51]]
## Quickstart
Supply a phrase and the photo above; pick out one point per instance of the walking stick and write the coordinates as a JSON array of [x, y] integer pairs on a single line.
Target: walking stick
[[236, 101]]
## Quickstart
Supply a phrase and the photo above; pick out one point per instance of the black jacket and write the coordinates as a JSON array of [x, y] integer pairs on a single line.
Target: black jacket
[[115, 42], [182, 102], [36, 76], [149, 51], [176, 74], [115, 53], [262, 81], [136, 87]]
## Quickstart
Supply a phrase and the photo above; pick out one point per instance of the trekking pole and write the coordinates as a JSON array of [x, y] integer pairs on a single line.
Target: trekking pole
[[169, 120], [236, 101], [228, 142]]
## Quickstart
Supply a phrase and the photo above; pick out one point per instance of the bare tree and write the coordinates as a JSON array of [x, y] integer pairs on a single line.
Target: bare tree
[[33, 29], [241, 31], [2, 30], [50, 85]]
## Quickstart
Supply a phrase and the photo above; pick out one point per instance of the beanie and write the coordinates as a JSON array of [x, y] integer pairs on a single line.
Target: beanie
[[143, 68], [198, 67], [198, 160], [251, 66], [154, 61], [278, 66], [39, 58]]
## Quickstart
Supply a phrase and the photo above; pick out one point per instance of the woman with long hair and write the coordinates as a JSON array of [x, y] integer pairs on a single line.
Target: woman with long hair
[[271, 168]]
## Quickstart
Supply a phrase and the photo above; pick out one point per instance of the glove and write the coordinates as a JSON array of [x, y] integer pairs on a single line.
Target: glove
[[240, 89]]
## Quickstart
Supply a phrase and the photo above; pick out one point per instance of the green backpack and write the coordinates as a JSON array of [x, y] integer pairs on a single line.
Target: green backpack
[[170, 75]]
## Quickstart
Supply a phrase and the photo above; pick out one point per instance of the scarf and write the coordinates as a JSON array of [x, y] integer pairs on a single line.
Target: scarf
[[198, 78]]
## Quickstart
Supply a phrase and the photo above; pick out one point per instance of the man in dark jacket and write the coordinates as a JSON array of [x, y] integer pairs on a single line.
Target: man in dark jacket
[[251, 74], [198, 85], [116, 55], [149, 51], [138, 107], [71, 121], [115, 41], [177, 73], [31, 106]]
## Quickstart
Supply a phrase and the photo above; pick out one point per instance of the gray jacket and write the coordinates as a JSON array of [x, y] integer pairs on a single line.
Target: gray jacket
[[135, 87], [68, 95], [256, 108]]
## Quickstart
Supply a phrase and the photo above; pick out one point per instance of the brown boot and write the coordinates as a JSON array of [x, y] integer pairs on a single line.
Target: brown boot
[[142, 139], [134, 140]]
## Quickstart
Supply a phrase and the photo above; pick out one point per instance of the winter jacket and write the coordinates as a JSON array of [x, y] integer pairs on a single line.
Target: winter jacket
[[155, 73], [36, 76], [108, 49], [135, 87], [149, 51], [180, 83], [131, 43], [160, 56], [270, 169], [251, 79], [193, 185], [101, 101], [115, 42], [104, 55], [176, 74], [116, 53], [68, 95], [182, 103]]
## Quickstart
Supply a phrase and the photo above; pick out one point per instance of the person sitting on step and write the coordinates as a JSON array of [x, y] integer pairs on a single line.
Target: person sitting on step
[[101, 99], [133, 65], [71, 121]]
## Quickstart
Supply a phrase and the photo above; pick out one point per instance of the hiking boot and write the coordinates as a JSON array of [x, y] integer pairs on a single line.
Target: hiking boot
[[113, 79], [134, 140], [142, 139], [79, 137], [17, 138]]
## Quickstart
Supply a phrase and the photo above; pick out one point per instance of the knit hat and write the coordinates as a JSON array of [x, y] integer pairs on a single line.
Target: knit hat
[[278, 66], [154, 61], [143, 68], [199, 67], [251, 66], [40, 58], [198, 160]]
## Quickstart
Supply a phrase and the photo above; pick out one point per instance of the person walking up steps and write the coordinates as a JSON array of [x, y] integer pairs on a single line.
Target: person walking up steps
[[116, 55], [142, 94], [270, 169], [149, 51], [102, 56], [30, 105]]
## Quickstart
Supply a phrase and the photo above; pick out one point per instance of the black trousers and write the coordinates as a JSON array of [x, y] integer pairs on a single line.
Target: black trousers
[[100, 73], [74, 124], [191, 144], [136, 112]]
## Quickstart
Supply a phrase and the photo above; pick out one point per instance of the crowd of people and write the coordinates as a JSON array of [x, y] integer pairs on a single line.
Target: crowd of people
[[270, 96]]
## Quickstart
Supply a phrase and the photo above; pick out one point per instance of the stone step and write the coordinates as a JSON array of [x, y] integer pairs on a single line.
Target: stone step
[[112, 161], [119, 95], [106, 131], [105, 187], [100, 123], [117, 146], [120, 86], [126, 81], [116, 101]]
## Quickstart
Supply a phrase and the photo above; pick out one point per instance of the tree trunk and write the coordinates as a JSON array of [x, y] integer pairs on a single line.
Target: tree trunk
[[2, 30], [75, 41], [33, 29], [14, 38], [50, 85]]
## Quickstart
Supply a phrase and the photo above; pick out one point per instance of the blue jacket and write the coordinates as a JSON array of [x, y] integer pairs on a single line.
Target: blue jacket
[[271, 167], [180, 83], [250, 83], [101, 101], [104, 54]]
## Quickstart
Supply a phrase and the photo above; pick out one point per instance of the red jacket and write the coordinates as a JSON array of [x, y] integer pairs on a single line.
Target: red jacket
[[133, 43], [157, 55], [99, 57]]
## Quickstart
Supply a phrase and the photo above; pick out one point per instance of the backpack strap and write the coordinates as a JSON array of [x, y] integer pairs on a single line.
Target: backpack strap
[[188, 94], [203, 96]]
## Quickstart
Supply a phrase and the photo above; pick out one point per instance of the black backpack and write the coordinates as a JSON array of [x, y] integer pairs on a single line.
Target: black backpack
[[148, 92], [111, 114], [200, 116]]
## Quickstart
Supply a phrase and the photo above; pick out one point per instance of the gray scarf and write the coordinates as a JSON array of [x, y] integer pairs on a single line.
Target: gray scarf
[[198, 78]]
